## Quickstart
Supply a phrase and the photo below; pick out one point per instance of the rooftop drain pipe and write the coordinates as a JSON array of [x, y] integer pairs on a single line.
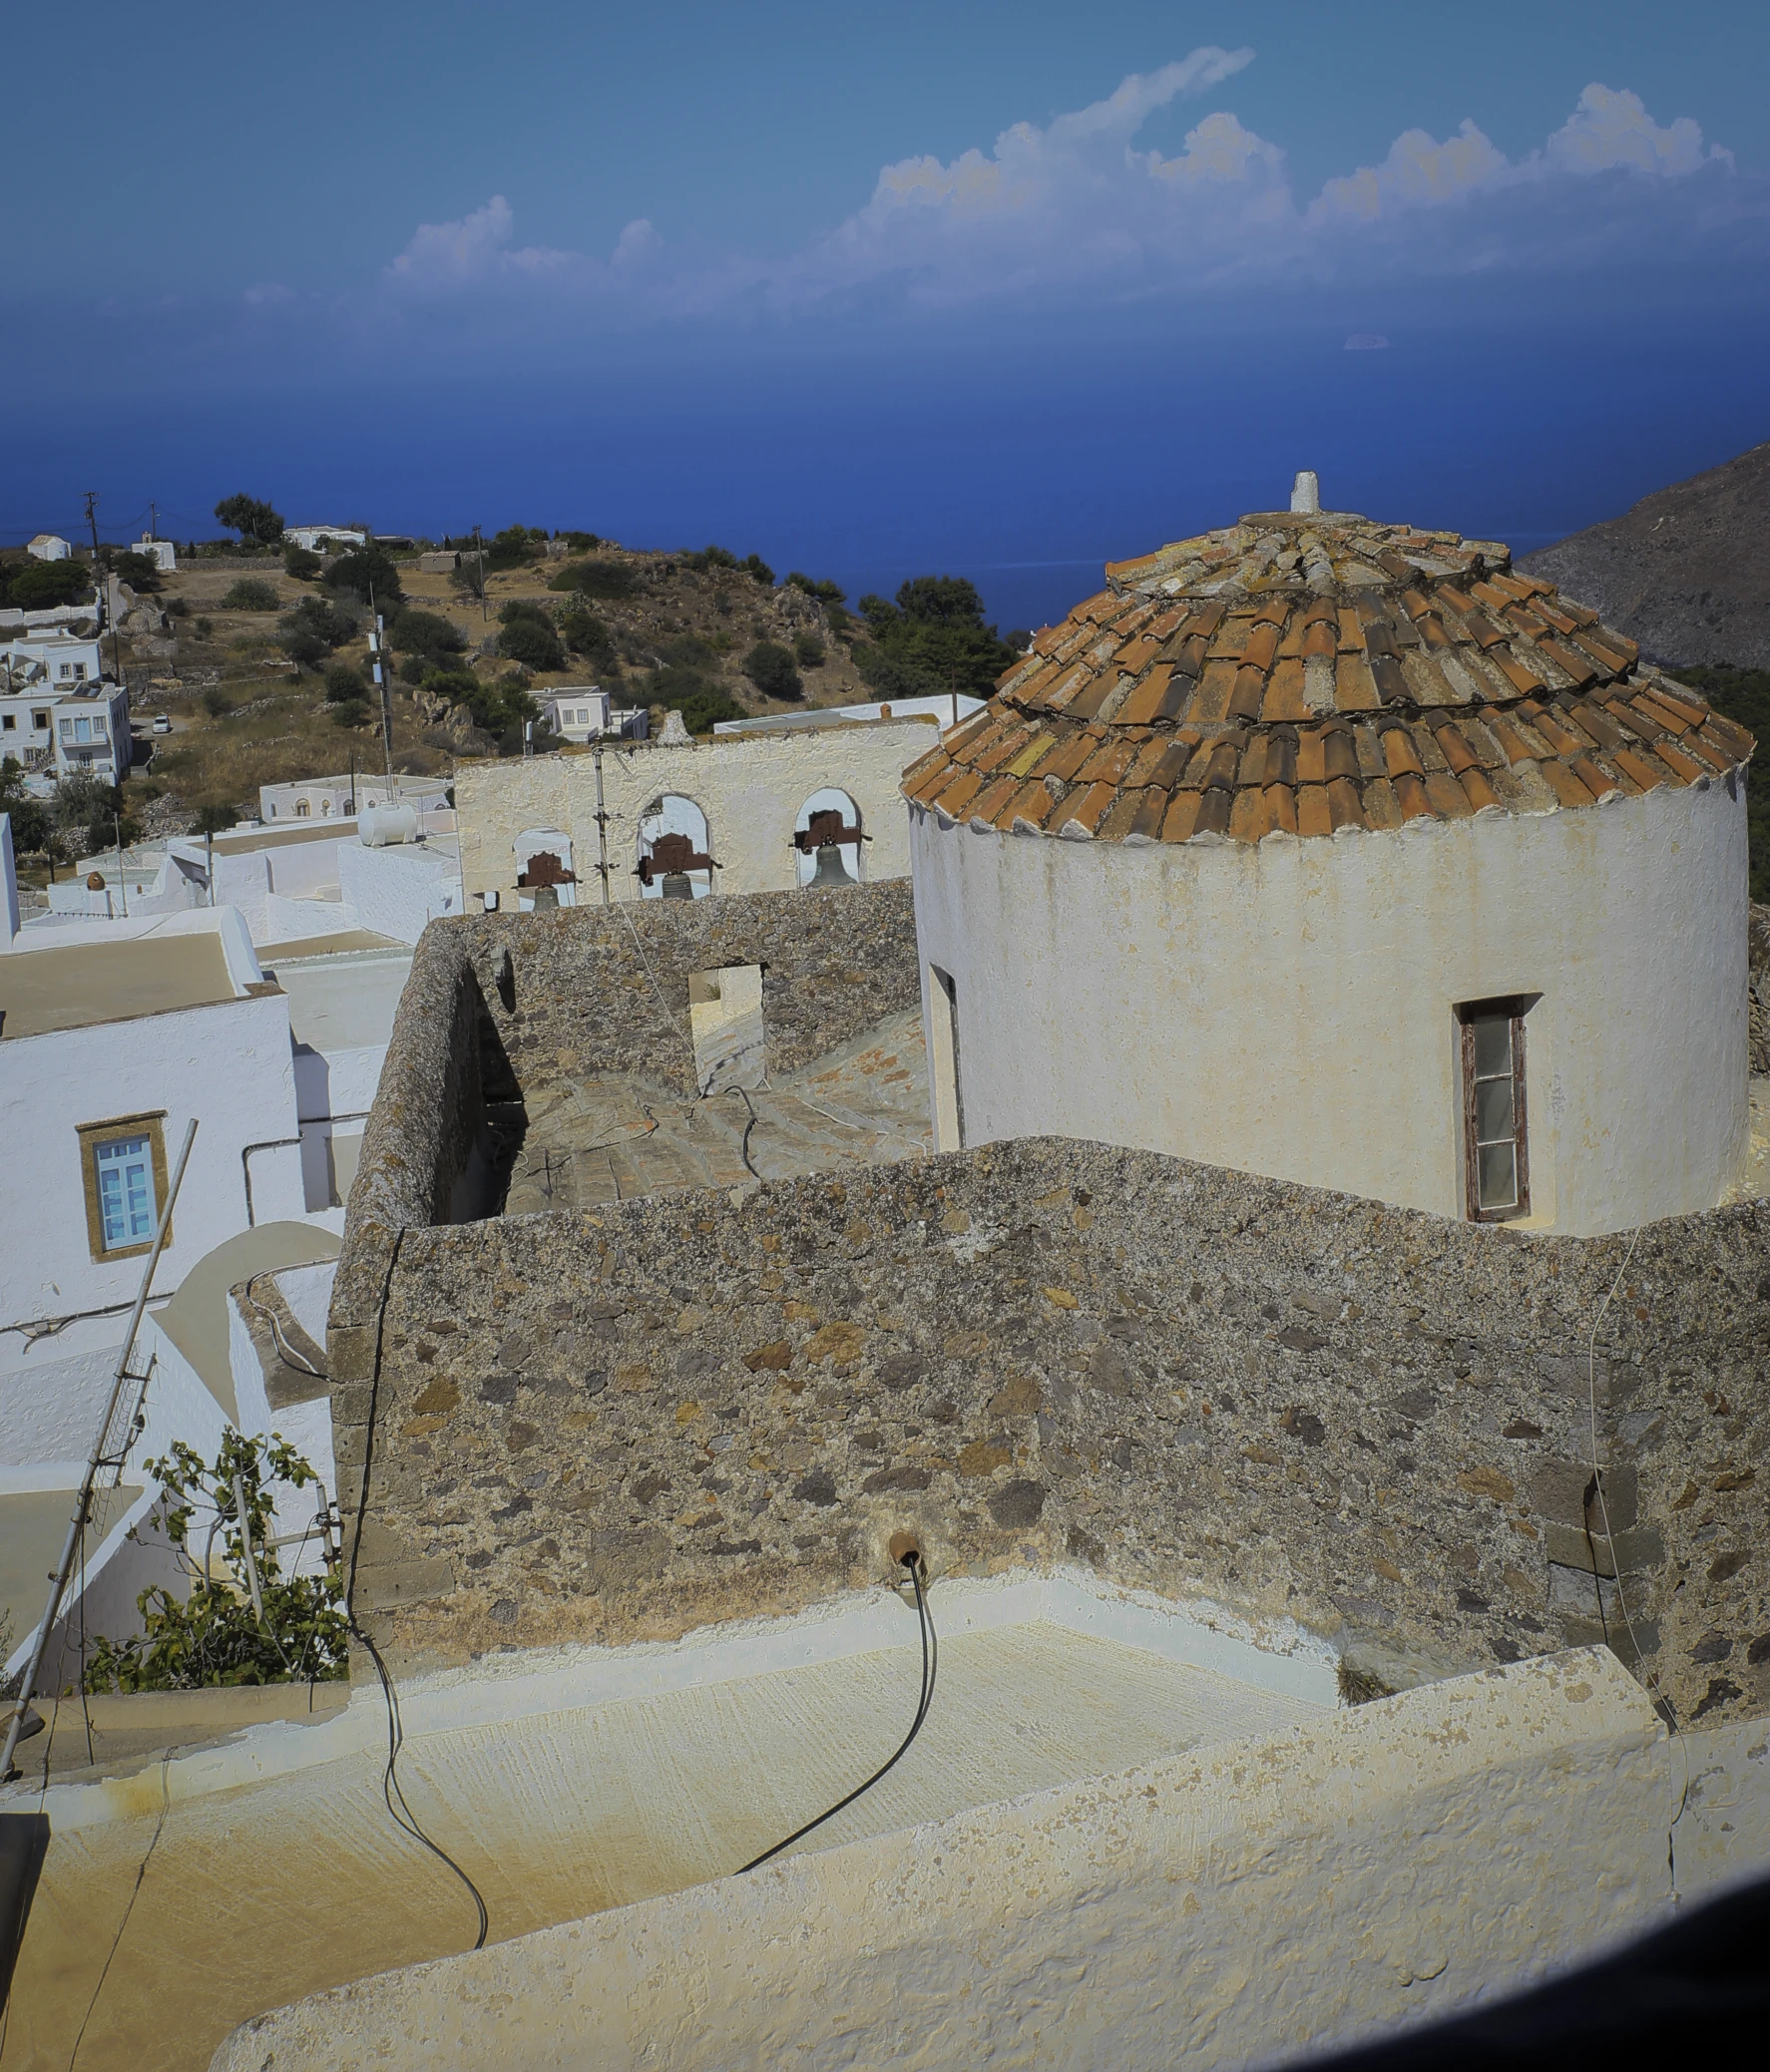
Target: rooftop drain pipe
[[1306, 492]]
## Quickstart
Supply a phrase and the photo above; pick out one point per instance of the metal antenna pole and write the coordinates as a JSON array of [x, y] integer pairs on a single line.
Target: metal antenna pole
[[58, 1582], [601, 824]]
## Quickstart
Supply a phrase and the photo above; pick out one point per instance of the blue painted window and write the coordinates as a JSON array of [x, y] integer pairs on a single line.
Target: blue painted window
[[125, 1168]]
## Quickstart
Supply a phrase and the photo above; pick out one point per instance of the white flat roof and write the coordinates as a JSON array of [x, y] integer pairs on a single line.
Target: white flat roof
[[85, 983]]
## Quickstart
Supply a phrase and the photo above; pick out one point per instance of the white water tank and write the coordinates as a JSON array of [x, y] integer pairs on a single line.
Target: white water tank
[[379, 827]]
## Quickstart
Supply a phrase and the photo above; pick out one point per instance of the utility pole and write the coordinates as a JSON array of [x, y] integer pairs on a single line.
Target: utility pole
[[104, 588], [153, 520], [121, 883], [384, 684], [480, 548], [602, 822]]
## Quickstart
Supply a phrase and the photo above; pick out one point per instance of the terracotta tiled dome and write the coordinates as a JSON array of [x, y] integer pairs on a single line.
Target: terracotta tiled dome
[[1304, 672]]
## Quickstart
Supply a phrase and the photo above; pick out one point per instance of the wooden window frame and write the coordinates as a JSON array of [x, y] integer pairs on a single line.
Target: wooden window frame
[[1514, 1008], [90, 1135]]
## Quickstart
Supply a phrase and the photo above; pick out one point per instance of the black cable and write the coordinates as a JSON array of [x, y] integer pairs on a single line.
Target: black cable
[[402, 1813], [930, 1669], [133, 1894]]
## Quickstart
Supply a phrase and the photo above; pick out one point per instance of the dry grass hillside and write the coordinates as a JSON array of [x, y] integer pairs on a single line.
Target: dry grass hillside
[[677, 631]]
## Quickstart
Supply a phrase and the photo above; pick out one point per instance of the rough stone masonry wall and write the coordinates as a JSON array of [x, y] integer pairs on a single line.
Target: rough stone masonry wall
[[589, 989], [621, 1425]]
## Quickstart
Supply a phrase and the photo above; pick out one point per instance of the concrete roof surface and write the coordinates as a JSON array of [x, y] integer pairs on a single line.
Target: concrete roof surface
[[86, 984], [558, 1810], [346, 1004]]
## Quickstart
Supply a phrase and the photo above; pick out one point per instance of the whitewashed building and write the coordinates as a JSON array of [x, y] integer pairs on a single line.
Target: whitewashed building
[[50, 547], [162, 552], [1340, 852], [316, 538], [342, 795], [771, 808]]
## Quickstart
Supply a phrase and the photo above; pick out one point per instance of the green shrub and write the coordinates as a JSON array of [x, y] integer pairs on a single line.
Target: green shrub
[[211, 1633], [425, 632], [352, 712], [368, 569], [809, 651], [217, 703], [515, 547], [532, 642], [35, 586], [759, 570], [580, 543], [771, 669], [204, 628], [141, 573], [825, 592], [312, 629], [345, 681], [711, 558], [597, 579], [250, 593], [301, 563], [586, 634], [212, 820]]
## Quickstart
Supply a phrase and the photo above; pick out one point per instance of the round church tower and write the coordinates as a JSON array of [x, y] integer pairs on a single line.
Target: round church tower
[[1340, 852]]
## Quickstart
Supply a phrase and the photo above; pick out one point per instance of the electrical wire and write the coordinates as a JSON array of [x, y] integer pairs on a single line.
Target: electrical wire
[[402, 1814], [286, 1351], [930, 1669], [133, 1894]]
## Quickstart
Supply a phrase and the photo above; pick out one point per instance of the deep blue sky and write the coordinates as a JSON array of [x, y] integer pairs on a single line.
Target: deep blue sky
[[790, 277]]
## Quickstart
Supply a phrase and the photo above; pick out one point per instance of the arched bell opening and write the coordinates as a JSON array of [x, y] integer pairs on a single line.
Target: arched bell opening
[[675, 850], [828, 837]]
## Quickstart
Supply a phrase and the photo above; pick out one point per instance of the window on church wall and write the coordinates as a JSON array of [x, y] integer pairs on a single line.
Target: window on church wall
[[1495, 1144]]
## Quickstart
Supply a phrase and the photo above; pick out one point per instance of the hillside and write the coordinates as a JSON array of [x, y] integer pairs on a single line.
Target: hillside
[[1686, 571], [213, 650]]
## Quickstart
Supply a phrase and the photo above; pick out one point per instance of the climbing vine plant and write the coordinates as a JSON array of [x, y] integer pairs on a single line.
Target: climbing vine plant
[[241, 1620]]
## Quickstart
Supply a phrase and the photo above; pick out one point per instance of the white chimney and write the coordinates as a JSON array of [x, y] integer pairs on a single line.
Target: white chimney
[[1306, 492]]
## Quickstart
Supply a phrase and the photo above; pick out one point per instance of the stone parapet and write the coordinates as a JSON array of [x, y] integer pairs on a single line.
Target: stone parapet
[[622, 1424]]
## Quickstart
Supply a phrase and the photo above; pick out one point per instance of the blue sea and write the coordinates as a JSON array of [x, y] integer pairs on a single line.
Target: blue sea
[[1019, 463]]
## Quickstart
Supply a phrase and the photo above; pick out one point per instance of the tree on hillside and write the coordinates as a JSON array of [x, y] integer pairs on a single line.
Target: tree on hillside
[[932, 639], [770, 668], [516, 546], [257, 523], [44, 586], [369, 569], [425, 632]]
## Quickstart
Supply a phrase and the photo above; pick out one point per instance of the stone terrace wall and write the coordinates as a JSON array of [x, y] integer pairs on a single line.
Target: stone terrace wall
[[578, 995], [622, 1424]]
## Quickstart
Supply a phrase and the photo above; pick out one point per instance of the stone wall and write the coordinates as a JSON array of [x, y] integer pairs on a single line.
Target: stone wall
[[593, 989], [622, 1424]]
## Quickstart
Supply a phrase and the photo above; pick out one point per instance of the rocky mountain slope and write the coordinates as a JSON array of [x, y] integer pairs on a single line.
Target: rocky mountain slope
[[1687, 572]]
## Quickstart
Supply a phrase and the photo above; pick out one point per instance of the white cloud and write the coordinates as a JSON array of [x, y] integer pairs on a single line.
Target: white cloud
[[472, 251], [1074, 214], [1611, 129], [1418, 173], [636, 244]]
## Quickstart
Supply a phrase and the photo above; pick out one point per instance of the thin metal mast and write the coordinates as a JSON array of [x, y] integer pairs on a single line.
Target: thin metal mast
[[58, 1582]]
